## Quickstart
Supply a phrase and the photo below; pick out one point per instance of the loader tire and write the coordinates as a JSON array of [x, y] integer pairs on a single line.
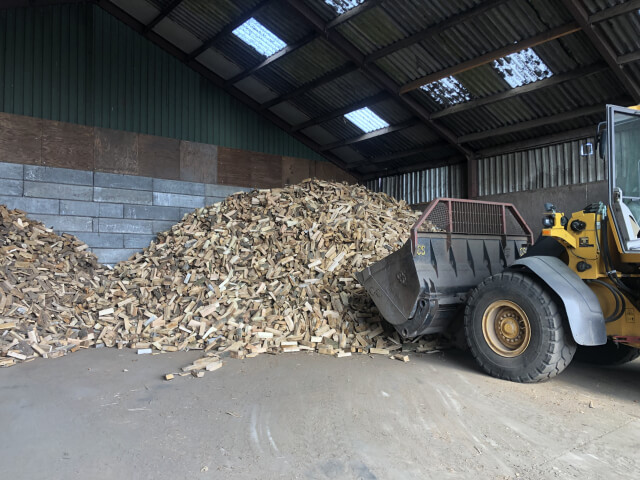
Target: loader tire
[[610, 354], [515, 329]]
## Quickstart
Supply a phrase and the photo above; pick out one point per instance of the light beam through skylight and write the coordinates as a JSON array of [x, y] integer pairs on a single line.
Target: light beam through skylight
[[343, 6], [259, 37], [447, 91], [366, 120], [522, 68]]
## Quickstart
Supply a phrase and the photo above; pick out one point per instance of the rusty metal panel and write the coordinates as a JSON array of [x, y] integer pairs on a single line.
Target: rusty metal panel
[[115, 151], [159, 157], [198, 162], [294, 170], [20, 139], [66, 145]]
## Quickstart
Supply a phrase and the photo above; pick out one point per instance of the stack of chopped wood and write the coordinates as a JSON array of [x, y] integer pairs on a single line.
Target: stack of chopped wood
[[265, 271], [44, 282]]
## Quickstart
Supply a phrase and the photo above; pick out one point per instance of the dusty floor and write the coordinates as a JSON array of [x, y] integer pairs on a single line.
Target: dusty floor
[[311, 416]]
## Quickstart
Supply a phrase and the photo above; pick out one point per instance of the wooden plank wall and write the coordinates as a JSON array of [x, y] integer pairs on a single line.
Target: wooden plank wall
[[35, 141]]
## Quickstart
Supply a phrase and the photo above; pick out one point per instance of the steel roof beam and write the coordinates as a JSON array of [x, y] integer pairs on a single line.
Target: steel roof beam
[[139, 27], [529, 124], [374, 73], [369, 136], [603, 47], [289, 48], [530, 87], [431, 32], [607, 13], [213, 41], [539, 39], [164, 13], [307, 87], [553, 139], [628, 58], [342, 111], [350, 14], [36, 3], [400, 155], [276, 56]]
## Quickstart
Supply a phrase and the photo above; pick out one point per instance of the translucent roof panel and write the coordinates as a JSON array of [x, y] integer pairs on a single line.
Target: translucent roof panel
[[343, 6], [366, 120], [259, 37], [447, 91], [522, 67]]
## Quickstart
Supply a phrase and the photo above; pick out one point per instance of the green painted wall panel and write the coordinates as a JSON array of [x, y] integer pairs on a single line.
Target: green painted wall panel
[[78, 64]]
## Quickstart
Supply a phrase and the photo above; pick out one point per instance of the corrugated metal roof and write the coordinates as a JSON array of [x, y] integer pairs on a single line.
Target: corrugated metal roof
[[474, 29]]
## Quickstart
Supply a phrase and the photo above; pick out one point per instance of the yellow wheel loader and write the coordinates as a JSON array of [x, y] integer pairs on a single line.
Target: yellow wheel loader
[[527, 308]]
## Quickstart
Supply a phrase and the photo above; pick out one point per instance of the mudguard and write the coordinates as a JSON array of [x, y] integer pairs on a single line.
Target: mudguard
[[580, 303]]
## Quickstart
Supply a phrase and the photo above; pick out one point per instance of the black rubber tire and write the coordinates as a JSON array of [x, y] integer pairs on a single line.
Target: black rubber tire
[[610, 353], [551, 346]]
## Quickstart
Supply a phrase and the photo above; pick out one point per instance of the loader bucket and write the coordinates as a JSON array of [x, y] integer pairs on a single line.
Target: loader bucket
[[453, 247]]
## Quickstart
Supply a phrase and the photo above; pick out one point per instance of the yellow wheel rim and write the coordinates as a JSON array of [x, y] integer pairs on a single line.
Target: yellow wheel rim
[[506, 328]]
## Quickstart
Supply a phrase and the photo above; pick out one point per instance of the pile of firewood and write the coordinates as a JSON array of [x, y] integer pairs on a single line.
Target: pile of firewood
[[264, 271], [45, 280]]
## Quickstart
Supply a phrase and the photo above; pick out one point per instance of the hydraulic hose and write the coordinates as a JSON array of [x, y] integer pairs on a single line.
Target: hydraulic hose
[[607, 262], [621, 305]]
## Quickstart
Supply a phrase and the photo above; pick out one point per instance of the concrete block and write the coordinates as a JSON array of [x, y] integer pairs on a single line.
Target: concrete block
[[152, 213], [73, 207], [11, 171], [177, 200], [31, 205], [111, 210], [138, 241], [130, 182], [65, 224], [211, 200], [184, 211], [96, 225], [212, 190], [56, 190], [11, 187], [34, 173], [113, 225], [177, 186], [162, 226], [119, 195], [111, 256], [102, 240]]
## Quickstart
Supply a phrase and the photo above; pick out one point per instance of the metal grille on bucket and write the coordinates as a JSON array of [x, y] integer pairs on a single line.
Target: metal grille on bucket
[[472, 217]]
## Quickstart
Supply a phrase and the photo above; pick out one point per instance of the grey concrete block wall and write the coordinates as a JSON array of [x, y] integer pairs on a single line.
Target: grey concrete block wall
[[116, 215]]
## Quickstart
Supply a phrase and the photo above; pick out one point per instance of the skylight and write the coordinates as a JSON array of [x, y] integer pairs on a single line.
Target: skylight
[[366, 120], [447, 91], [343, 6], [259, 37], [522, 67]]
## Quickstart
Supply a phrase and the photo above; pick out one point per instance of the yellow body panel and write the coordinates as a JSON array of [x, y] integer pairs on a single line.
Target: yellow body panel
[[585, 246]]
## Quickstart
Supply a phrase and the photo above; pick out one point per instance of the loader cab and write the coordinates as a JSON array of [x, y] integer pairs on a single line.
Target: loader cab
[[621, 145]]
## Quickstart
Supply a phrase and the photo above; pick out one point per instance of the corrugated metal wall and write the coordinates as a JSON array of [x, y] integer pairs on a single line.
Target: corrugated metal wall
[[76, 63], [423, 186], [544, 167]]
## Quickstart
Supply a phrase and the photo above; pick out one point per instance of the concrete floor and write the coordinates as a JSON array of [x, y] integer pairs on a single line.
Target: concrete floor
[[312, 416]]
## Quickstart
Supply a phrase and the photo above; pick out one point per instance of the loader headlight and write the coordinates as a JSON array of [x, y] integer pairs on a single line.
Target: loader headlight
[[548, 221]]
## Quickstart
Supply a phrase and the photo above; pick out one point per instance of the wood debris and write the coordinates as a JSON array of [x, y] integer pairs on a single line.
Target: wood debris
[[267, 271]]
